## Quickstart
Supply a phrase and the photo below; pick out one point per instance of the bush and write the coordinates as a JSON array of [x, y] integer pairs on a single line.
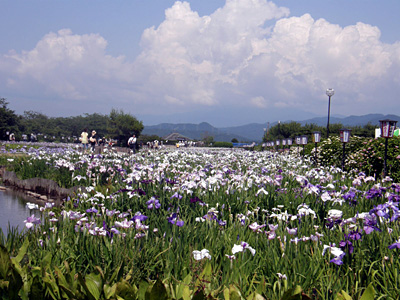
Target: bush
[[361, 154], [223, 144], [370, 157]]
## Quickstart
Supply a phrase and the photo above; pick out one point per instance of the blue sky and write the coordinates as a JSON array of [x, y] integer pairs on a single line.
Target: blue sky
[[224, 62]]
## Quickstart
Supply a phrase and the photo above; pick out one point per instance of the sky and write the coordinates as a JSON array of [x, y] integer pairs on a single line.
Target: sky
[[225, 62]]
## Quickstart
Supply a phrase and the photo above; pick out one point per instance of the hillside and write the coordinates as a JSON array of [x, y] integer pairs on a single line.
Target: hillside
[[254, 131]]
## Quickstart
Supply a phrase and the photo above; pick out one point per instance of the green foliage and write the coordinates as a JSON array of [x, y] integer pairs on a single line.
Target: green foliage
[[369, 158], [8, 120], [223, 144], [62, 128], [361, 154], [293, 129], [121, 126], [67, 129], [208, 140]]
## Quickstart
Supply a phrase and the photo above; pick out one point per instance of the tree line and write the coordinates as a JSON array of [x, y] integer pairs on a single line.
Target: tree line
[[293, 129], [117, 125]]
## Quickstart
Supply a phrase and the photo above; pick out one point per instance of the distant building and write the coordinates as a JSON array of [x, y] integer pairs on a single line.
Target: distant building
[[176, 137]]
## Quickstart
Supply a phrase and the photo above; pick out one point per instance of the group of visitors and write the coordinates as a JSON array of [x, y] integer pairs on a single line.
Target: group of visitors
[[92, 140]]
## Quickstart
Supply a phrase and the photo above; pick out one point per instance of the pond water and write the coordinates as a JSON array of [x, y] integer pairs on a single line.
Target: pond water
[[13, 210]]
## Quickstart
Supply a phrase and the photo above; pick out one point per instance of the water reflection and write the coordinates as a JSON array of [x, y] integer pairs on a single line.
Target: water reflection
[[13, 210]]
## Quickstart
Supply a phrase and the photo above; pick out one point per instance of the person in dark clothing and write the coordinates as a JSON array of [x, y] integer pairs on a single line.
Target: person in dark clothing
[[93, 140]]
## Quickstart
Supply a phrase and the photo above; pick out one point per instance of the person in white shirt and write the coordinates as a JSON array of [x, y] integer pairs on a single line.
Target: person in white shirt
[[132, 143]]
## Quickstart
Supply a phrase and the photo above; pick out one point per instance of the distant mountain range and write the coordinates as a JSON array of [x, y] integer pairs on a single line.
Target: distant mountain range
[[254, 131]]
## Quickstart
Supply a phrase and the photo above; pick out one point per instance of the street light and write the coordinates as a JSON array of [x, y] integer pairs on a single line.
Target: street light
[[387, 131], [344, 138], [317, 139], [329, 92]]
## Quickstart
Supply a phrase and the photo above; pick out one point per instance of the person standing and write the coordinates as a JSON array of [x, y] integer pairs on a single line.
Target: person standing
[[132, 143], [84, 139], [93, 140], [101, 142]]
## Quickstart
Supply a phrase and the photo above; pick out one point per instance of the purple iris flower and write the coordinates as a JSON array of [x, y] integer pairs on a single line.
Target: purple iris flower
[[92, 210], [123, 215], [140, 192], [395, 245], [153, 203], [291, 231], [373, 193], [370, 223], [350, 197], [139, 216], [176, 195], [354, 235], [115, 231], [395, 216], [174, 220], [146, 181], [330, 223], [394, 198], [346, 244], [221, 223], [337, 260], [110, 213], [210, 216], [170, 181], [31, 221], [195, 200]]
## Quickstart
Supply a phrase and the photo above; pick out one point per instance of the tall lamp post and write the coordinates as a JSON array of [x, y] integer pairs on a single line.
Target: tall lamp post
[[317, 139], [329, 92], [344, 138], [387, 131]]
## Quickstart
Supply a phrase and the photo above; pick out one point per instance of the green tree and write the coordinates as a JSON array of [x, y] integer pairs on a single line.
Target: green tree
[[208, 140], [121, 126], [34, 122], [8, 120]]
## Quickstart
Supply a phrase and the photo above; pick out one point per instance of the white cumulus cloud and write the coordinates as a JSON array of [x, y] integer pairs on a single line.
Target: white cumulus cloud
[[248, 52]]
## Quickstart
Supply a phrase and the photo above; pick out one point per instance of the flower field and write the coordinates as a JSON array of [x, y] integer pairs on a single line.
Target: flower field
[[203, 224]]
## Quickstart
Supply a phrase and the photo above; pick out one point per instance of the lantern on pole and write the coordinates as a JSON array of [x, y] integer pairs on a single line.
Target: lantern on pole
[[387, 131], [298, 143], [289, 142], [344, 138], [304, 141], [317, 139]]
